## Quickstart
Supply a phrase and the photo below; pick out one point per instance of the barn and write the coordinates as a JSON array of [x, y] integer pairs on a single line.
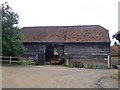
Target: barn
[[89, 44]]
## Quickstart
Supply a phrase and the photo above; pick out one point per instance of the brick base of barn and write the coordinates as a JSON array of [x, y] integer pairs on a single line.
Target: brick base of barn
[[90, 61], [99, 62], [115, 60]]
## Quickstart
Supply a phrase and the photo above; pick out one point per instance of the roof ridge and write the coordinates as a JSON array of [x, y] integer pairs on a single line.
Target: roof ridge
[[61, 26]]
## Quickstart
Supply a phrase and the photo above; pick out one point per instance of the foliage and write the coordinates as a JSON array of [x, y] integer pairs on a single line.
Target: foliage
[[70, 65], [11, 34], [91, 67], [65, 56], [28, 62], [59, 51]]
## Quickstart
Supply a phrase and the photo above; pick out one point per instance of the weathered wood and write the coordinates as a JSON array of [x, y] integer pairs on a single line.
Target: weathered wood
[[75, 51], [35, 51]]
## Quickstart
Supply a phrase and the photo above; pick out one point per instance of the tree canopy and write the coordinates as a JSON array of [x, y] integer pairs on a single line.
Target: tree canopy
[[11, 34]]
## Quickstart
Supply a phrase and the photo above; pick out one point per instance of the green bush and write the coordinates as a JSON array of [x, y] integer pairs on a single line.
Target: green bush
[[28, 62], [69, 65], [91, 67], [64, 64]]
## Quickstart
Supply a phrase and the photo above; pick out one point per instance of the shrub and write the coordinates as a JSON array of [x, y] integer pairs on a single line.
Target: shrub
[[69, 65], [28, 62], [64, 64]]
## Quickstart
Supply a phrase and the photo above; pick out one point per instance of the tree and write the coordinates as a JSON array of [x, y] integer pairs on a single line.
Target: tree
[[11, 34]]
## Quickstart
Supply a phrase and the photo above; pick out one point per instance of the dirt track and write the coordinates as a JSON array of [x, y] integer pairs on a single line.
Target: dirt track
[[57, 77]]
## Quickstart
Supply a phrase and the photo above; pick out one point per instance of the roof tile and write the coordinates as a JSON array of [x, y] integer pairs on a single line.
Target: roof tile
[[84, 33]]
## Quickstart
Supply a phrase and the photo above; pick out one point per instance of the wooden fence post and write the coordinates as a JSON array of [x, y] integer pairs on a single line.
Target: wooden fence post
[[10, 60], [67, 62]]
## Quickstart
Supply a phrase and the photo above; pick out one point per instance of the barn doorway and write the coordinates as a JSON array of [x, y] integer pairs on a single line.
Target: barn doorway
[[50, 51]]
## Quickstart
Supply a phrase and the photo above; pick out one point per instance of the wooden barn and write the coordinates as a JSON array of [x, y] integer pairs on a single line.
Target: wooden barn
[[89, 44]]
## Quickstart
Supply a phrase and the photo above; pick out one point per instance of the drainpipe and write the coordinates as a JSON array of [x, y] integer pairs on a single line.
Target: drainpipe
[[109, 58]]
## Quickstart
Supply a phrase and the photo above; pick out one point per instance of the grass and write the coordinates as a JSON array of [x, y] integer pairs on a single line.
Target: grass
[[27, 62], [91, 67], [70, 65]]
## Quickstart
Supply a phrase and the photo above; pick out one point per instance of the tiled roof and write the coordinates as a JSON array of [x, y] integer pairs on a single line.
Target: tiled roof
[[84, 33], [115, 50]]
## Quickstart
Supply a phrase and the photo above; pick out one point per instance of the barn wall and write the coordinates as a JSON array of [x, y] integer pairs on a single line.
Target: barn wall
[[88, 52], [36, 51]]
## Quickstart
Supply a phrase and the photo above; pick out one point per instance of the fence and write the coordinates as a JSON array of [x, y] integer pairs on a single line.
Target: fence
[[9, 59], [30, 56]]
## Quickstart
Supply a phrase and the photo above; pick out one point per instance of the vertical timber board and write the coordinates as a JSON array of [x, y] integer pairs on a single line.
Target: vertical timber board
[[36, 48], [87, 49]]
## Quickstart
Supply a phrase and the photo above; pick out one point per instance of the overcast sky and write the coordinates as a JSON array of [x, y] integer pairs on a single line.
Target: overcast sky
[[67, 12]]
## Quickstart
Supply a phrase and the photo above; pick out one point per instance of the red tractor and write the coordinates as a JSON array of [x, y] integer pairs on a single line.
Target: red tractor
[[56, 60]]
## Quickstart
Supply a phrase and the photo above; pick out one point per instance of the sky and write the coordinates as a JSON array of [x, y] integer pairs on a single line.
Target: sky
[[67, 13]]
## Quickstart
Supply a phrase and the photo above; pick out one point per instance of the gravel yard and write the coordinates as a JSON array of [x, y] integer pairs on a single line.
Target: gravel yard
[[48, 76]]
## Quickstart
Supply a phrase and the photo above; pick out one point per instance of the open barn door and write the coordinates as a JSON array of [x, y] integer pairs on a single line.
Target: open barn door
[[49, 53], [53, 52]]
